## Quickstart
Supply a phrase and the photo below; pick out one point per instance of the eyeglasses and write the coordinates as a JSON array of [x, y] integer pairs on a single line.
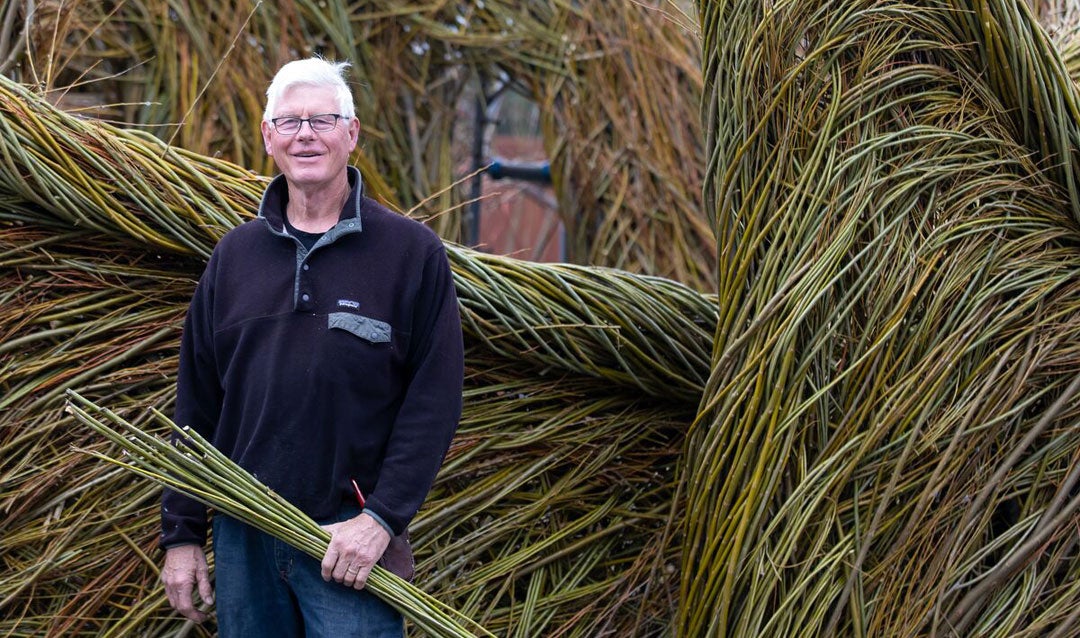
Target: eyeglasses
[[322, 123]]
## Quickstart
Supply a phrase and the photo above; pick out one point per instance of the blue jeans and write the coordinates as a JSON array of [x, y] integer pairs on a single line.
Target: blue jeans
[[266, 588]]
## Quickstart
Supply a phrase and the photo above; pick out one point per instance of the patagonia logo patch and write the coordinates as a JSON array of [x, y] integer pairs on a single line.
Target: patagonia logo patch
[[348, 303]]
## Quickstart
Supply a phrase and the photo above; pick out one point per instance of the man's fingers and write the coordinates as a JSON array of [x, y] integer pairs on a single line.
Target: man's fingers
[[171, 596], [186, 606], [185, 569], [329, 562], [195, 615], [361, 578], [345, 568], [355, 545], [206, 590], [180, 598], [351, 572]]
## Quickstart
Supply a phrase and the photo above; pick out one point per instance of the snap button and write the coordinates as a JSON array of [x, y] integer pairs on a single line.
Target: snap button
[[305, 297], [306, 266]]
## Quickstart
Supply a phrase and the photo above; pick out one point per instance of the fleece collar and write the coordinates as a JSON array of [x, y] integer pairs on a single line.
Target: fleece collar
[[276, 196]]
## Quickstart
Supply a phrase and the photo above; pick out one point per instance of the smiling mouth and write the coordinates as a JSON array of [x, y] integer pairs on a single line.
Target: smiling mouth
[[312, 154]]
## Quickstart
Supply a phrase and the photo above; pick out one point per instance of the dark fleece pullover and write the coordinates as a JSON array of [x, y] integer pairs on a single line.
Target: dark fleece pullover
[[312, 369]]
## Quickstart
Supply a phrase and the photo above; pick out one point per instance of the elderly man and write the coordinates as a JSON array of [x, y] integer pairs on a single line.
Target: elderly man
[[322, 352]]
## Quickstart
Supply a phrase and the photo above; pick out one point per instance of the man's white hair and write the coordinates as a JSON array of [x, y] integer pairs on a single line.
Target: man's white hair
[[310, 72]]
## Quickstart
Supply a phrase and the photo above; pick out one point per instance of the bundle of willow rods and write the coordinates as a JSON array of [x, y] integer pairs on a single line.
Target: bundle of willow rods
[[190, 464], [559, 493], [647, 333]]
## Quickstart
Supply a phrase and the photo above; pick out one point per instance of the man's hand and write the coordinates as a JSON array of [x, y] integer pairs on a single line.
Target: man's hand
[[185, 568], [355, 546]]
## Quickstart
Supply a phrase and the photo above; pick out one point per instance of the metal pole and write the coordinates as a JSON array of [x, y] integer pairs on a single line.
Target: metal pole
[[472, 215]]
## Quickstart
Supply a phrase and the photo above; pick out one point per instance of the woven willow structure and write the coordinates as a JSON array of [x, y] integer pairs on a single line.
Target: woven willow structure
[[815, 375], [889, 441]]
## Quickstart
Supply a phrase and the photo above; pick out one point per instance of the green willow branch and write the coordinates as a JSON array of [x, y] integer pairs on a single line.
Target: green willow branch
[[195, 467]]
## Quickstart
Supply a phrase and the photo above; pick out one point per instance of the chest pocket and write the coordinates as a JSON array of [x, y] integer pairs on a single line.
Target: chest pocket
[[367, 329]]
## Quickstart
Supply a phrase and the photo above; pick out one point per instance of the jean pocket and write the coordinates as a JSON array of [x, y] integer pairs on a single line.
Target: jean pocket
[[366, 328]]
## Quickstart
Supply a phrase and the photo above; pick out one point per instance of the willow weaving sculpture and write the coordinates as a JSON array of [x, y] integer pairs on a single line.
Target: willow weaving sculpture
[[888, 444], [884, 440]]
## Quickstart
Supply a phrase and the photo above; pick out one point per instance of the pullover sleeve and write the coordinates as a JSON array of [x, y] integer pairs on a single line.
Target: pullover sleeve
[[431, 407], [198, 404]]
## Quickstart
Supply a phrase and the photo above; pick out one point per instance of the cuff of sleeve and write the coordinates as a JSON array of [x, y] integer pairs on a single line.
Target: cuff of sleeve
[[379, 520], [168, 546]]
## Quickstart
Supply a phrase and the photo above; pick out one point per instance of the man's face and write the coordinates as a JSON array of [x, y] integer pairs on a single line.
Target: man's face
[[307, 158]]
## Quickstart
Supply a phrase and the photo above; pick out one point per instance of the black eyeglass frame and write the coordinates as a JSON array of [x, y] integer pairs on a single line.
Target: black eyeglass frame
[[300, 122]]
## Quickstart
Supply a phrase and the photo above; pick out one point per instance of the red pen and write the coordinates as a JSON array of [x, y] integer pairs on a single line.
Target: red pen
[[359, 494]]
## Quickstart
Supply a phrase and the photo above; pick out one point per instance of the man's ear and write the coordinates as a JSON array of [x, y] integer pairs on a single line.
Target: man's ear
[[265, 127], [354, 131]]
